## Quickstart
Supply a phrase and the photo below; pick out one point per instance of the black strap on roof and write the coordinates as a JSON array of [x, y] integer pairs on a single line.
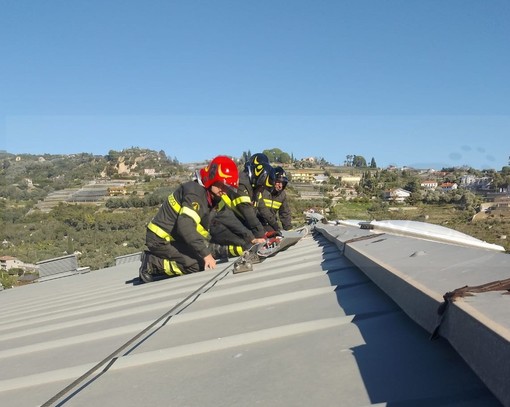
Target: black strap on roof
[[365, 237], [467, 291], [112, 358]]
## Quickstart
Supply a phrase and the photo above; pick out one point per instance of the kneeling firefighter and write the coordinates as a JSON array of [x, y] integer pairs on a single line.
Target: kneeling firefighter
[[177, 238]]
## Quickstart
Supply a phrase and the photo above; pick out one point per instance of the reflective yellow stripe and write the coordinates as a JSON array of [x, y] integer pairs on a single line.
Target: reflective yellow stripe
[[272, 204], [259, 197], [225, 200], [176, 206], [171, 268], [160, 232], [235, 251], [191, 213], [241, 199]]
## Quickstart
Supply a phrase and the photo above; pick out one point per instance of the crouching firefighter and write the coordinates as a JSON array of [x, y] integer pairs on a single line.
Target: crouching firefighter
[[177, 238], [235, 222]]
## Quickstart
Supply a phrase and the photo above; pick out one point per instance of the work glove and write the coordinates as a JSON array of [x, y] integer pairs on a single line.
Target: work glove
[[272, 233]]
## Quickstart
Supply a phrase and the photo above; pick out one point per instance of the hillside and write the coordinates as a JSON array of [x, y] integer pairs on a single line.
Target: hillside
[[98, 206]]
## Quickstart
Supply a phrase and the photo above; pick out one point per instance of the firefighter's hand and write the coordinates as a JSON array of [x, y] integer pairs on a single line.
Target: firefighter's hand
[[258, 240], [209, 262]]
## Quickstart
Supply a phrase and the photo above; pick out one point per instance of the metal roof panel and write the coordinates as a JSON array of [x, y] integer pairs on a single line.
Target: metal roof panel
[[304, 327]]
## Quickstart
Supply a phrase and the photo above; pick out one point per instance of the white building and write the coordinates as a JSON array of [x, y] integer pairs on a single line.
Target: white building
[[396, 195]]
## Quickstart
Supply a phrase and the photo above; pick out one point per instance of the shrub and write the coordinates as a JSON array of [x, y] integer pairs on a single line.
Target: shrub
[[7, 280]]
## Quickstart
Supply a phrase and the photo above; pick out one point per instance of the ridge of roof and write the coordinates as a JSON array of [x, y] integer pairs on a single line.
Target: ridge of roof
[[419, 275]]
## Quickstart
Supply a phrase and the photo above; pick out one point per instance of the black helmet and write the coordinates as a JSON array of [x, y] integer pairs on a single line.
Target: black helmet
[[255, 160], [280, 176], [262, 175], [259, 158]]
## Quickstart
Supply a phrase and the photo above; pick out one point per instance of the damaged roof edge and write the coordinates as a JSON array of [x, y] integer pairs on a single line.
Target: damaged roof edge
[[417, 274]]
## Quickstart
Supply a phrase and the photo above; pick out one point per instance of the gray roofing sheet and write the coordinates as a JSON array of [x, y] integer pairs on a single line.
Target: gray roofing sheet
[[306, 327]]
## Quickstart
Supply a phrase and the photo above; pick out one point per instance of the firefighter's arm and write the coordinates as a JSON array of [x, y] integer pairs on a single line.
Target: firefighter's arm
[[189, 225], [285, 215], [265, 214]]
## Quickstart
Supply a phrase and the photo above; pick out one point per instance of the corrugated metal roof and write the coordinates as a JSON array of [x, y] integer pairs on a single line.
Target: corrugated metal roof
[[306, 327]]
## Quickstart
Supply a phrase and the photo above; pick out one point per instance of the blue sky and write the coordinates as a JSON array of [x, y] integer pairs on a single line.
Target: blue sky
[[423, 83]]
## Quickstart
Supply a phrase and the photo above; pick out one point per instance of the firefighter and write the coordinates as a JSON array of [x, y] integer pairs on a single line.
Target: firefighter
[[235, 223], [275, 207], [177, 238]]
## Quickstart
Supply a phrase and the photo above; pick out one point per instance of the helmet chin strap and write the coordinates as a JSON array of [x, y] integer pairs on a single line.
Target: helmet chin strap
[[210, 198]]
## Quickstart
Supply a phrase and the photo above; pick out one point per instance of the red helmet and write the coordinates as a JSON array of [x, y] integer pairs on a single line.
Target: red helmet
[[220, 170]]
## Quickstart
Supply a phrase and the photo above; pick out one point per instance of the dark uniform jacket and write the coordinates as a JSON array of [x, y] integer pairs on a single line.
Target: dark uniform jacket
[[184, 217], [272, 207], [225, 219], [242, 204]]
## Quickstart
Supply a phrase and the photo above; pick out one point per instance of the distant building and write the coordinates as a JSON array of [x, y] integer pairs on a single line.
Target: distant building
[[318, 175], [471, 181], [428, 184], [9, 262], [396, 195], [350, 179], [306, 175], [448, 186]]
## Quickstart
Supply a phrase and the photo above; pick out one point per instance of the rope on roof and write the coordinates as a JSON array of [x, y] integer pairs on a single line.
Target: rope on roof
[[112, 358]]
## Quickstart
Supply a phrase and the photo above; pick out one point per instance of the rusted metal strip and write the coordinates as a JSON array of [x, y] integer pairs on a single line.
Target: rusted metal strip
[[451, 296], [500, 285]]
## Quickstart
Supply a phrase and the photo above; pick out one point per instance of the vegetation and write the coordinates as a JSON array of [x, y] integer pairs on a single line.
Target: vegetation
[[7, 280], [99, 232], [97, 236]]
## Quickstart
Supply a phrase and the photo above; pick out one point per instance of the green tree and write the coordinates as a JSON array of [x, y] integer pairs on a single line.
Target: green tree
[[412, 185], [285, 158], [359, 161]]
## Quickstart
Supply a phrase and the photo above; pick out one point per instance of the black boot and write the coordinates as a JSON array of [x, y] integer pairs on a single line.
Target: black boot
[[151, 268], [145, 270]]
